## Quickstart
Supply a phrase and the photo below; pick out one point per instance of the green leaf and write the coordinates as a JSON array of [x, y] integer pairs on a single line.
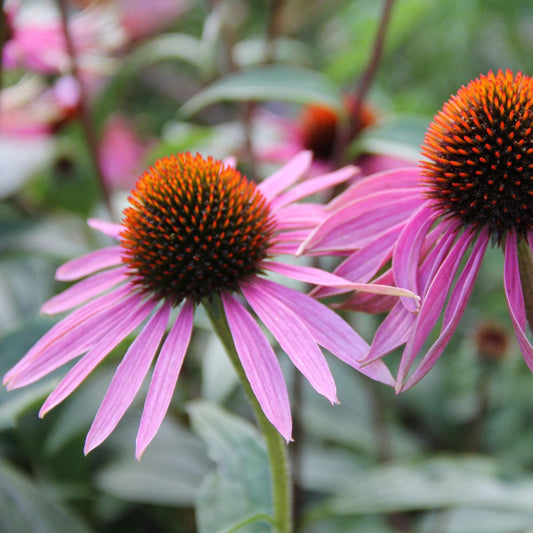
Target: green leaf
[[277, 82], [397, 136], [26, 508], [241, 486], [478, 521], [433, 484], [169, 473]]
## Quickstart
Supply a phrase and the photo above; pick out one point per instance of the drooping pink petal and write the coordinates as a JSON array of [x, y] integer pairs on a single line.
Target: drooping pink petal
[[515, 297], [294, 337], [165, 377], [84, 290], [260, 366], [387, 180], [371, 303], [89, 263], [75, 343], [454, 310], [321, 277], [392, 332], [314, 185], [328, 329], [79, 372], [407, 252], [127, 379], [432, 305], [107, 228], [286, 175], [363, 264], [65, 327], [360, 222]]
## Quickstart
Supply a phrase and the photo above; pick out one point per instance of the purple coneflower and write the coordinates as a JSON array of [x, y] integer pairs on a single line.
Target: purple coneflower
[[195, 230], [475, 186]]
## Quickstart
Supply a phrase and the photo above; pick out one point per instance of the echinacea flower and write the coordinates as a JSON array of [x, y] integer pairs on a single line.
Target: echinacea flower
[[316, 128], [475, 186], [197, 229]]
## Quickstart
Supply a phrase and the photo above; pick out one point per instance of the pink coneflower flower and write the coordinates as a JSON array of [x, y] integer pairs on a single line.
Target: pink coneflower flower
[[474, 187], [316, 129], [122, 153], [197, 229]]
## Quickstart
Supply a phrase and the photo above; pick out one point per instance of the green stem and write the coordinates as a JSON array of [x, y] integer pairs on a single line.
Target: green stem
[[276, 448], [525, 266]]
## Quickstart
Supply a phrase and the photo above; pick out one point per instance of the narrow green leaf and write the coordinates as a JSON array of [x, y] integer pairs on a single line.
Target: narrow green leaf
[[278, 82]]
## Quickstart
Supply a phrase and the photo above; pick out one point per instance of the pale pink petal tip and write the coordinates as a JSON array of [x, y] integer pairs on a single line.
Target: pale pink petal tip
[[107, 228]]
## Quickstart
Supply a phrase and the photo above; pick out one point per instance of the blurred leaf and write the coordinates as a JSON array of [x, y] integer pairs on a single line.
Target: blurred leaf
[[241, 486], [12, 347], [398, 136], [432, 484], [254, 51], [477, 521], [277, 82], [21, 159], [26, 508], [169, 473], [218, 375]]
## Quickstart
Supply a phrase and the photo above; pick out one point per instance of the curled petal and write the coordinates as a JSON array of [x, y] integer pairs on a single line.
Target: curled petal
[[515, 298]]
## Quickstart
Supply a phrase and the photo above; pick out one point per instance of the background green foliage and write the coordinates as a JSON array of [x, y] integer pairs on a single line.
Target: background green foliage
[[454, 455]]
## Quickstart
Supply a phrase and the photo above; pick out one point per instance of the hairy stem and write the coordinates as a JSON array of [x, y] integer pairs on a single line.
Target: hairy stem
[[276, 448]]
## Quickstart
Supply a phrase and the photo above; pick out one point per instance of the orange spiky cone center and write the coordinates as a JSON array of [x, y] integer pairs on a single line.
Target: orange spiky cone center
[[194, 228]]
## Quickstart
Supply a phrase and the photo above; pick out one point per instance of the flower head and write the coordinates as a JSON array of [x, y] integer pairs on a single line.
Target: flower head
[[195, 229], [436, 222]]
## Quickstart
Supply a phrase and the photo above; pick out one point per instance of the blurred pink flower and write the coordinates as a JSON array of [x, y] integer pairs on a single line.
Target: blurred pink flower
[[141, 19], [436, 222], [315, 129], [122, 153], [196, 228]]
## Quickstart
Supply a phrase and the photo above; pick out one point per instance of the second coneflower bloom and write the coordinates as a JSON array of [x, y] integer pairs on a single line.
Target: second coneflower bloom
[[474, 186], [196, 229]]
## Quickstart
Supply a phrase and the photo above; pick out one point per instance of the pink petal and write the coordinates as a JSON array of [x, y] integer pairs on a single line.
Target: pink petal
[[107, 228], [286, 175], [260, 366], [294, 337], [127, 322], [314, 185], [372, 303], [328, 329], [66, 327], [406, 258], [392, 332], [363, 264], [515, 298], [84, 290], [302, 215], [358, 223], [432, 304], [127, 379], [165, 377], [80, 340], [454, 311], [404, 178], [89, 263], [321, 277]]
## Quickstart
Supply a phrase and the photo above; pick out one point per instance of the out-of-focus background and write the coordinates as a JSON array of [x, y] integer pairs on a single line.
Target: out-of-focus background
[[245, 78]]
